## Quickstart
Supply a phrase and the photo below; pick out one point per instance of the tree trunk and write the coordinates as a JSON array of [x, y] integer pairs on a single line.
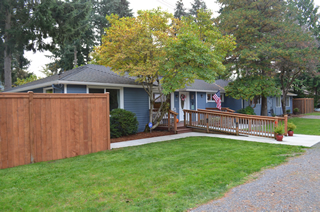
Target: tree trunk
[[283, 103], [264, 106], [7, 53]]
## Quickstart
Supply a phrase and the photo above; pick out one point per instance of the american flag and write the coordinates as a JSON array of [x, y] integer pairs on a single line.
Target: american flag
[[217, 98]]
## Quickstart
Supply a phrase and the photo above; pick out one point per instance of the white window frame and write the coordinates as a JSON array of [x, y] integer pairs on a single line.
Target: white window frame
[[103, 87], [48, 88], [279, 101], [221, 96], [288, 101]]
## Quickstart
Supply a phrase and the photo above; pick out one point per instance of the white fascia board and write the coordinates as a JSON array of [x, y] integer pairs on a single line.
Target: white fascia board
[[99, 84], [31, 87], [207, 91]]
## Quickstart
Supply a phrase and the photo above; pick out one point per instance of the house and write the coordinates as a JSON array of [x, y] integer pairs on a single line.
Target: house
[[126, 93]]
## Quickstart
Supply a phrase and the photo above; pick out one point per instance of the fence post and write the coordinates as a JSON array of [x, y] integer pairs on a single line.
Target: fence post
[[108, 122], [175, 124], [237, 126], [275, 125], [286, 125], [31, 131], [207, 120], [169, 117]]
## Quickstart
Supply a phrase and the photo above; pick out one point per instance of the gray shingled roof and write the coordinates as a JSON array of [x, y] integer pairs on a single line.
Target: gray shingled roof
[[202, 85], [87, 73], [101, 74]]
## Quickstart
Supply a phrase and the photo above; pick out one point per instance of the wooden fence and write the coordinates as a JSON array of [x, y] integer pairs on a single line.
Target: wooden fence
[[305, 105], [42, 127], [234, 123]]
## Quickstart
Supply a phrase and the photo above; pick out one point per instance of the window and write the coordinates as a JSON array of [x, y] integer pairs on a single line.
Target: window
[[288, 102], [211, 99], [48, 90], [114, 96], [156, 95], [278, 102]]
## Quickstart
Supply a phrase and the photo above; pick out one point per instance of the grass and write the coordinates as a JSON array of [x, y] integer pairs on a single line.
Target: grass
[[306, 126], [167, 176], [313, 114]]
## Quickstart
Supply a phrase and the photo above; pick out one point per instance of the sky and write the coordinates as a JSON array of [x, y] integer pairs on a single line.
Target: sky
[[39, 59]]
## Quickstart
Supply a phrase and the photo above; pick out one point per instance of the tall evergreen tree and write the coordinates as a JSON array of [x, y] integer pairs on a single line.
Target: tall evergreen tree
[[179, 11], [257, 23], [102, 8], [196, 6]]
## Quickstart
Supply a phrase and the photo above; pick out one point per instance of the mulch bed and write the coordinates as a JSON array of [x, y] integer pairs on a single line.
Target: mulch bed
[[141, 135]]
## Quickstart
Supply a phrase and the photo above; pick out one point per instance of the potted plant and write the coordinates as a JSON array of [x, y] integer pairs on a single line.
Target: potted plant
[[279, 130], [291, 127], [296, 111]]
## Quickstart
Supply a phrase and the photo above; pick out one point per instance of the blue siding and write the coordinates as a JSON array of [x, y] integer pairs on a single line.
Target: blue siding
[[37, 90], [234, 104], [76, 89], [278, 110], [136, 100], [201, 100]]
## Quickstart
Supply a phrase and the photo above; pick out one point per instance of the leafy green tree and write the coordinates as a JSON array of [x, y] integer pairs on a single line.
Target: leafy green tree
[[31, 78], [180, 11], [159, 49]]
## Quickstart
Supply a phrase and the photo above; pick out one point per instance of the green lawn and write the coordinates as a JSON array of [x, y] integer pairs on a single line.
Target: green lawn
[[306, 126], [167, 176], [314, 114]]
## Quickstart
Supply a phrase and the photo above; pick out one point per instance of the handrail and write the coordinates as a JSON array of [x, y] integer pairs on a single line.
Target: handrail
[[233, 123], [172, 112], [242, 115], [222, 109]]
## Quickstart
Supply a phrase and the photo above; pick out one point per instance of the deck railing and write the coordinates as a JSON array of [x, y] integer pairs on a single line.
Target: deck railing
[[169, 120], [233, 123], [224, 109]]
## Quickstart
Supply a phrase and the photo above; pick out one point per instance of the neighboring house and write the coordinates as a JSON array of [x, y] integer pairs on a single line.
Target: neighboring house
[[126, 93]]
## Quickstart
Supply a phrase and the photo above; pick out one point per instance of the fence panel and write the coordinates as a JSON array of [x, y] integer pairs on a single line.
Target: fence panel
[[305, 105], [43, 127]]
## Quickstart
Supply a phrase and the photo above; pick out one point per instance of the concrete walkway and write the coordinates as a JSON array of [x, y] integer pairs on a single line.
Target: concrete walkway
[[296, 139]]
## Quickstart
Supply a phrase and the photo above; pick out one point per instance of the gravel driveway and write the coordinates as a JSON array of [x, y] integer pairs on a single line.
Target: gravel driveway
[[294, 186], [310, 117]]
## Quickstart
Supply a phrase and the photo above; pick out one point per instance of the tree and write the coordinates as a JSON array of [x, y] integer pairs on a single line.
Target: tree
[[163, 52], [296, 53], [196, 6], [256, 26], [102, 8], [179, 11], [31, 78]]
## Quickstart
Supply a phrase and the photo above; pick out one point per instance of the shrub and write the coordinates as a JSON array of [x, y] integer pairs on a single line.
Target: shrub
[[248, 110], [296, 110], [291, 126], [288, 111], [279, 130], [122, 123]]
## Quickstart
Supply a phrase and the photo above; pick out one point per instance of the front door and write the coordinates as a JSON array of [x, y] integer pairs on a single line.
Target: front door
[[183, 103]]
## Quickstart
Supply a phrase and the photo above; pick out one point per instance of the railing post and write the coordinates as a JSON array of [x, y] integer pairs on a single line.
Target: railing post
[[275, 125], [199, 119], [169, 117], [175, 124], [250, 122], [190, 118], [286, 125], [207, 120], [31, 136], [237, 126], [184, 117]]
